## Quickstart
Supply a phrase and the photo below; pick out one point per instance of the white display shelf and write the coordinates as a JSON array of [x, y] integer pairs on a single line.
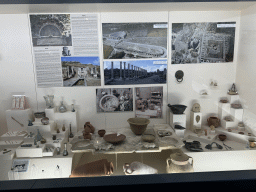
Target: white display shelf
[[233, 98], [30, 151], [44, 129], [237, 113], [229, 124], [223, 110], [189, 135], [193, 122], [177, 119]]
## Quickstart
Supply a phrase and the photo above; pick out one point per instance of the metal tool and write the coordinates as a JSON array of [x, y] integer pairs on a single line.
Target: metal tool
[[17, 122]]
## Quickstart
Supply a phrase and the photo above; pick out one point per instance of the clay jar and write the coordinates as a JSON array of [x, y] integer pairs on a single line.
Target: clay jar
[[89, 125], [87, 133], [101, 132], [222, 137], [45, 121], [215, 121]]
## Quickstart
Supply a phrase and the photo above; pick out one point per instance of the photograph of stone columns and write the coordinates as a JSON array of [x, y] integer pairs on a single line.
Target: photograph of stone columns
[[149, 102], [132, 72], [114, 99], [134, 40], [203, 42], [51, 30], [80, 71]]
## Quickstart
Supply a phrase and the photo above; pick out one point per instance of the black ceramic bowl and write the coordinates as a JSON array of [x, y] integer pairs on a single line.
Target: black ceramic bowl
[[177, 109]]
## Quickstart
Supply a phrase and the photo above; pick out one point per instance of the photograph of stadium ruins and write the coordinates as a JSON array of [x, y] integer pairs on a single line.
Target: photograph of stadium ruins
[[134, 40], [81, 71], [149, 102], [132, 72], [203, 42]]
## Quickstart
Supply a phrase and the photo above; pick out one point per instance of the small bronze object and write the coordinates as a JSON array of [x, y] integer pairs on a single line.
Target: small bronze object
[[179, 75]]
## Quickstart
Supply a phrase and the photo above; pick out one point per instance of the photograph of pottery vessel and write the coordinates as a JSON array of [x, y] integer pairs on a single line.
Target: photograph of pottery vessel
[[149, 102]]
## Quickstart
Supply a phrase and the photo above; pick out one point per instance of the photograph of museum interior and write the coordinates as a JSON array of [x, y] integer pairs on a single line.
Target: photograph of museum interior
[[104, 93]]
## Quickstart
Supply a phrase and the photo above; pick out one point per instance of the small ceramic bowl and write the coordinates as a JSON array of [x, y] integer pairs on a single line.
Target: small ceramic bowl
[[222, 137], [101, 132]]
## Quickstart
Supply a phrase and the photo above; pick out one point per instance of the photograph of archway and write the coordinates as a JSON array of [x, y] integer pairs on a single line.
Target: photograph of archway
[[51, 30]]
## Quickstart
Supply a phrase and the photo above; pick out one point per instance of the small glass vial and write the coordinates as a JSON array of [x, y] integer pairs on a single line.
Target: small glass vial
[[73, 108], [63, 127], [65, 152], [70, 132]]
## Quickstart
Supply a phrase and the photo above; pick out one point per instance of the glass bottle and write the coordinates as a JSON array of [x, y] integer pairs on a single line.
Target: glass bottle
[[70, 132], [62, 107], [65, 152], [73, 108], [63, 127]]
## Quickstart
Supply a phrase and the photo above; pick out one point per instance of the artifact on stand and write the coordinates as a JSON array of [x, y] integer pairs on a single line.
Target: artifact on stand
[[49, 101], [62, 107], [177, 109], [179, 163], [45, 120], [215, 121], [70, 132], [138, 125], [179, 76], [233, 90], [65, 152], [30, 123], [196, 108], [58, 130], [73, 108], [114, 138], [138, 168], [39, 114], [209, 146], [63, 127], [222, 137]]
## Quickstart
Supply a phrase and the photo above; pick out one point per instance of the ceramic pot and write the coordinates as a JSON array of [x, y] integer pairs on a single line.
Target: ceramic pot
[[222, 137], [96, 168], [101, 132], [215, 121], [138, 168], [179, 163], [45, 121], [138, 125], [87, 136], [177, 109], [90, 126]]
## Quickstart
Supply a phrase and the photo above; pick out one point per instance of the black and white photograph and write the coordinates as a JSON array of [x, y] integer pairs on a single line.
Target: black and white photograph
[[51, 30], [20, 164], [132, 72], [80, 71], [209, 42], [149, 102], [114, 100], [134, 40]]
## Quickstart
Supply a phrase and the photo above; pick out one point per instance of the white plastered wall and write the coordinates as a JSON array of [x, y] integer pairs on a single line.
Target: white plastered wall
[[17, 74]]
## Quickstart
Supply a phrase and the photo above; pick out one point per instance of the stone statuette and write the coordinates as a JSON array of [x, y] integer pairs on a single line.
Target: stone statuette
[[196, 108]]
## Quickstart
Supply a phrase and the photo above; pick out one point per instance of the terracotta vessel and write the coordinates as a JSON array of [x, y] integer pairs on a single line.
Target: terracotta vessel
[[87, 136], [88, 124], [138, 168], [101, 132], [138, 125], [215, 121], [179, 163], [96, 168], [114, 138], [222, 137]]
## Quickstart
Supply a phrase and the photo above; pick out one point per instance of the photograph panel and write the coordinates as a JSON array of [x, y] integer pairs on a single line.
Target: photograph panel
[[135, 72], [51, 30], [149, 102], [81, 71], [203, 42], [134, 40], [114, 99]]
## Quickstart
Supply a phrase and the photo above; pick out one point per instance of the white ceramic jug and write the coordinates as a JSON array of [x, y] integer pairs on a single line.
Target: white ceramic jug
[[179, 163], [138, 168]]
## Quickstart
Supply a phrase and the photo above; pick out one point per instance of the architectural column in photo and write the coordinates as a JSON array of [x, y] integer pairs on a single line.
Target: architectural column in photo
[[132, 71], [112, 70], [124, 69], [120, 69], [129, 75]]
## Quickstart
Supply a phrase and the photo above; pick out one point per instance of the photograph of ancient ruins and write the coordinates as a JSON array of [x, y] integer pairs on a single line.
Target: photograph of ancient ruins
[[132, 72], [203, 42], [80, 71], [51, 30], [134, 40], [114, 100], [149, 102]]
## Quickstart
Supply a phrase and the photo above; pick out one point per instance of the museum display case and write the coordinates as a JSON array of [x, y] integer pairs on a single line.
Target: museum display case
[[105, 93]]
